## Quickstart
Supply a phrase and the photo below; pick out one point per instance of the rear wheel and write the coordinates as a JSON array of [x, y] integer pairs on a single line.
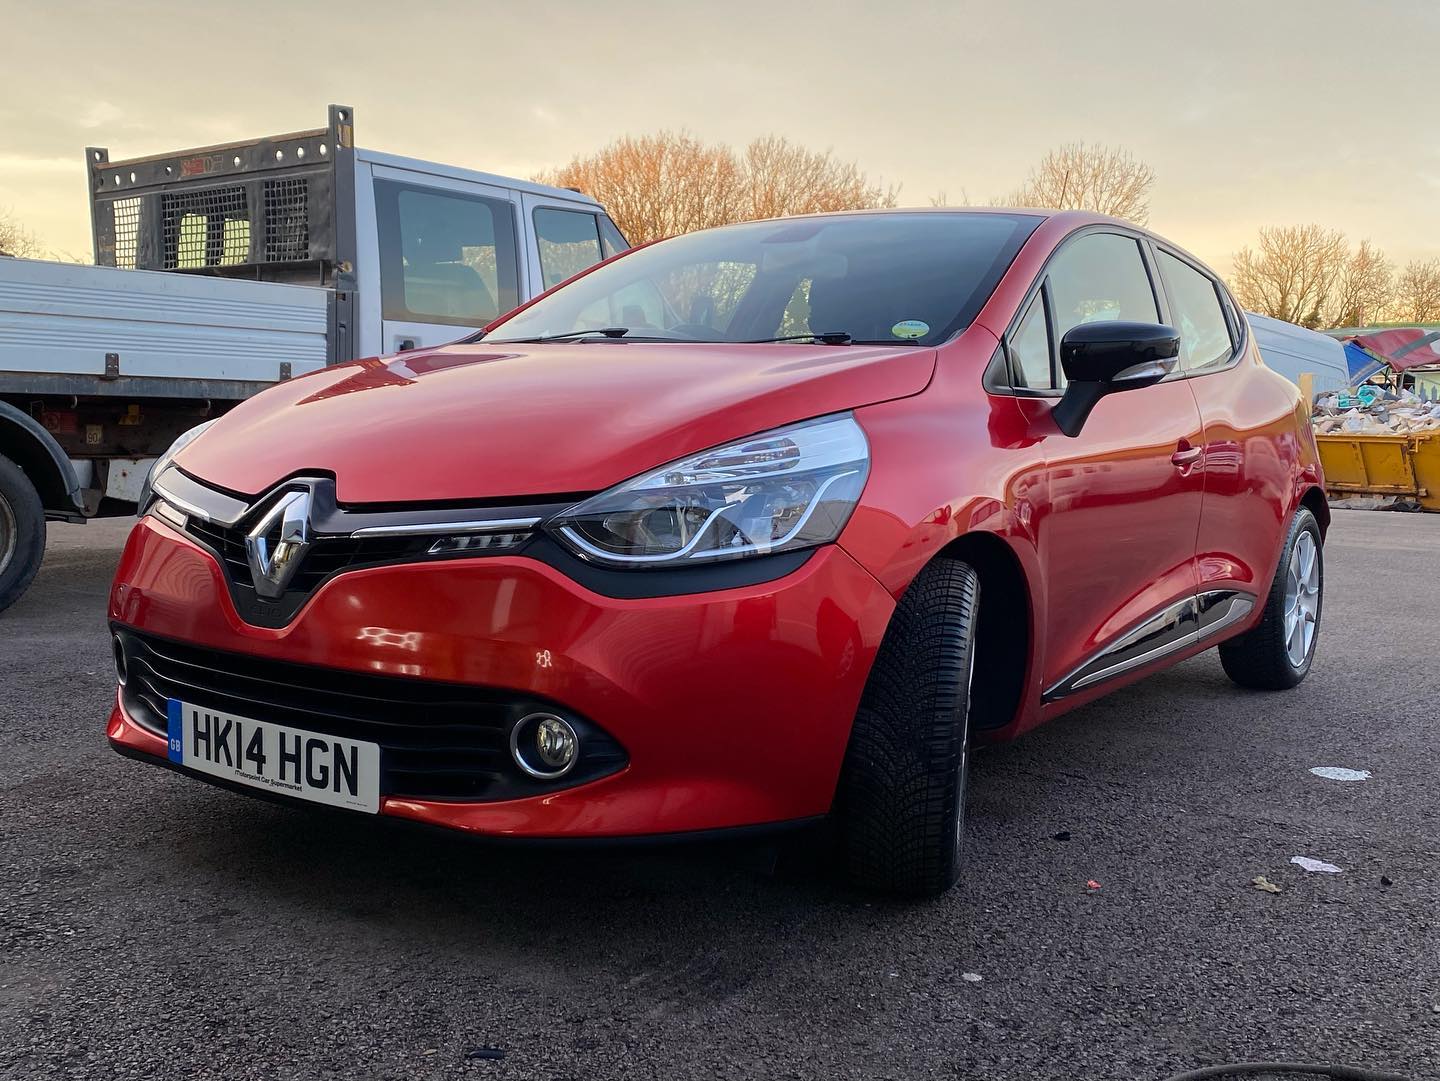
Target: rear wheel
[[901, 798], [1277, 653], [22, 532]]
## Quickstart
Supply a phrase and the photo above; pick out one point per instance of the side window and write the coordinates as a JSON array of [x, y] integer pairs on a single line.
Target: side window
[[445, 257], [610, 238], [1197, 314], [1030, 349], [1100, 277], [569, 241]]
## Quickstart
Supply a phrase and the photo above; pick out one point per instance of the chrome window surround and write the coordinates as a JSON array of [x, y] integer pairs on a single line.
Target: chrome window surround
[[998, 377]]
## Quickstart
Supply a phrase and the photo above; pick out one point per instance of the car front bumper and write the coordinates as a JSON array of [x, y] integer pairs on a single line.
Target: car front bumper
[[732, 707]]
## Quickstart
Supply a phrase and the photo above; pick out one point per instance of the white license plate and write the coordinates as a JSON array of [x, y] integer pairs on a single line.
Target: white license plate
[[280, 759]]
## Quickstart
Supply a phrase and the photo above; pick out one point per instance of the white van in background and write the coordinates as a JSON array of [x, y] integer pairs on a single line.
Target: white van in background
[[1292, 350]]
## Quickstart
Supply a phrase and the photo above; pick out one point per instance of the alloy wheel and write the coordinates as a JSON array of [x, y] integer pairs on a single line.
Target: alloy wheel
[[1302, 599]]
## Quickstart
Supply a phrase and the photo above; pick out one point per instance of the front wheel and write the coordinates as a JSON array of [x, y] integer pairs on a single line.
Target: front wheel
[[22, 532], [1278, 652], [901, 798]]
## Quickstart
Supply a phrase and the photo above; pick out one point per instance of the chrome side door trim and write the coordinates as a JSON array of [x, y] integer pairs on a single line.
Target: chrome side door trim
[[1225, 608], [1170, 630]]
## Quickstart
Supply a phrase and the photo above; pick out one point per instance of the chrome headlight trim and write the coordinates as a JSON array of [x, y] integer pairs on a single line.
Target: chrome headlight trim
[[162, 463], [780, 490]]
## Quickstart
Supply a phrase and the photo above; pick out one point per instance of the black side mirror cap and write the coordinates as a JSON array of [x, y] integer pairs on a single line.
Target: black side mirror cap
[[1103, 358], [1110, 352]]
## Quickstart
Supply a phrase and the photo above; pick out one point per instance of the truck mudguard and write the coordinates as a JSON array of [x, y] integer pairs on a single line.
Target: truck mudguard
[[26, 443]]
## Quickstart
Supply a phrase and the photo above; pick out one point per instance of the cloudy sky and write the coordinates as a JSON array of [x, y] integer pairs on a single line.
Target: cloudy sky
[[1251, 112]]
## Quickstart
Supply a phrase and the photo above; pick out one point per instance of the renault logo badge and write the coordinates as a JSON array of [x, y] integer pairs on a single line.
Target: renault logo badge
[[278, 543]]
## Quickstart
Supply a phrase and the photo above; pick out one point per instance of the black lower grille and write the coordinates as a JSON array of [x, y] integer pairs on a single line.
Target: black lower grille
[[437, 740]]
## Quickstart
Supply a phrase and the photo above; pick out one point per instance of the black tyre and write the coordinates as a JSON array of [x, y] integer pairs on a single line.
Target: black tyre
[[901, 800], [22, 532], [1277, 653]]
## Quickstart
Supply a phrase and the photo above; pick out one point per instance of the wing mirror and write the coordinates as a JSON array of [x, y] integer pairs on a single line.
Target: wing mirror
[[1103, 358]]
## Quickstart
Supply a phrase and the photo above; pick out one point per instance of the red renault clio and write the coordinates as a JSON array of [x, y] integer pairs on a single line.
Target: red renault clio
[[759, 525]]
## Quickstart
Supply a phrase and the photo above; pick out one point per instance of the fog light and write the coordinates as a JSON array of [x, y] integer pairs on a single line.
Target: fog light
[[544, 745], [122, 666]]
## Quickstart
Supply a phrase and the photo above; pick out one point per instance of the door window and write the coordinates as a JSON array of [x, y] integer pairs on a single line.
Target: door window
[[1196, 312], [611, 239], [1100, 277], [445, 257], [569, 242], [1030, 349]]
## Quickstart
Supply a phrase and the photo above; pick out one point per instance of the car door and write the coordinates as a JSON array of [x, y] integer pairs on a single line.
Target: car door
[[450, 256], [1250, 449], [1116, 524]]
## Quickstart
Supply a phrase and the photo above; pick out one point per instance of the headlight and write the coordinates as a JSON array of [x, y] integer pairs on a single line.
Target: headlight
[[147, 491], [793, 487]]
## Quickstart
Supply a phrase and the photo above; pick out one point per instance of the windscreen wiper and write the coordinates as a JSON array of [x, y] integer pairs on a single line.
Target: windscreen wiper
[[831, 337], [605, 332]]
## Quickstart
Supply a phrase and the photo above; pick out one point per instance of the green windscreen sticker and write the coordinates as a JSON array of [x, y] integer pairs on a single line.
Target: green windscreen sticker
[[910, 328]]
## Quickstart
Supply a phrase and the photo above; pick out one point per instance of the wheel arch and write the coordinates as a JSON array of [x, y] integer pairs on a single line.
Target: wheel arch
[[1313, 500], [1006, 628], [34, 450]]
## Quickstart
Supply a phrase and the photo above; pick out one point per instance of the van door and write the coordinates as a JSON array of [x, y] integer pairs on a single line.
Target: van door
[[569, 238], [451, 256]]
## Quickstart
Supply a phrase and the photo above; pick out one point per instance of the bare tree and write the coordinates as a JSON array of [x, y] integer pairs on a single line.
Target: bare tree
[[16, 240], [1293, 274], [787, 179], [670, 183], [1417, 293], [1363, 289], [1107, 180]]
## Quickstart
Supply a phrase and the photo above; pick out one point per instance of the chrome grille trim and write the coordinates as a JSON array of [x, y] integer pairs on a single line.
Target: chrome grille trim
[[450, 529]]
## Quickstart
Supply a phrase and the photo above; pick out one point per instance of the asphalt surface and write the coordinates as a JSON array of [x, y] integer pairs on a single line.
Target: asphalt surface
[[154, 927]]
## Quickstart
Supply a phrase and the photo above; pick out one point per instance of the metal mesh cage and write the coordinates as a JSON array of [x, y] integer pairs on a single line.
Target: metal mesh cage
[[287, 220], [205, 228], [271, 209], [127, 231]]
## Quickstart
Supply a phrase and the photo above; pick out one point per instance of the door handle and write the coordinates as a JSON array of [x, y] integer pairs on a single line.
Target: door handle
[[1185, 456]]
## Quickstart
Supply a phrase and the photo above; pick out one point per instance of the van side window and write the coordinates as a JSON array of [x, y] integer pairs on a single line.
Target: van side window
[[611, 239], [569, 242], [1029, 349], [445, 257], [1197, 314]]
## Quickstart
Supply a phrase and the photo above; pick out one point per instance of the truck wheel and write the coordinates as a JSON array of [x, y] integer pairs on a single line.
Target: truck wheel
[[901, 798], [22, 532], [1276, 654]]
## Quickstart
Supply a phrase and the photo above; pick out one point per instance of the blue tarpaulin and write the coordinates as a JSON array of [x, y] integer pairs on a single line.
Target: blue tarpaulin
[[1362, 364]]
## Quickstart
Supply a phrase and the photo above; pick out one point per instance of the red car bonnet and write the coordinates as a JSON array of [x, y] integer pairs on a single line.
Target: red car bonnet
[[488, 421]]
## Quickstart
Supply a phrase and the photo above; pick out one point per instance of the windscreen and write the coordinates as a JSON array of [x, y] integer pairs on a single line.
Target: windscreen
[[892, 278]]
